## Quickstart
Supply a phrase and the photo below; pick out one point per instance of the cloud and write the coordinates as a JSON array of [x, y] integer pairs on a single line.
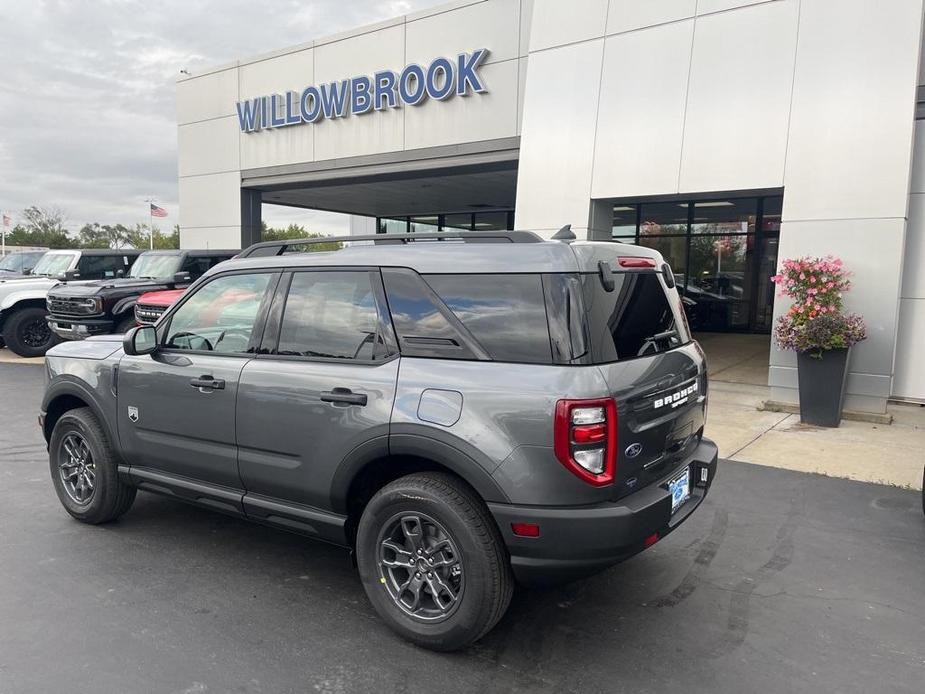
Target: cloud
[[87, 93]]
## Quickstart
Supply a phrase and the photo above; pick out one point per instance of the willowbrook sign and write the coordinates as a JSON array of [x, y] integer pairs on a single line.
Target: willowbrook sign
[[440, 80]]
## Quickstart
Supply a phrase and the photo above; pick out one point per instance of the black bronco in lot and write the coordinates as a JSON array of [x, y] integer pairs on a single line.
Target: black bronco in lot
[[460, 415], [77, 311]]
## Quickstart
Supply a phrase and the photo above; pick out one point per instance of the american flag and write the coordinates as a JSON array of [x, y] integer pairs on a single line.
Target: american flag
[[158, 211], [7, 220]]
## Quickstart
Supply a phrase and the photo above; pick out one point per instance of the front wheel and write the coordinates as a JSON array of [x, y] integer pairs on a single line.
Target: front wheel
[[84, 469], [27, 332], [432, 561]]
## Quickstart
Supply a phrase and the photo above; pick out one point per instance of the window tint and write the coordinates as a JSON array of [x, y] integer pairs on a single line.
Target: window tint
[[505, 313], [197, 266], [567, 331], [423, 329], [633, 320], [98, 267], [331, 315], [220, 316]]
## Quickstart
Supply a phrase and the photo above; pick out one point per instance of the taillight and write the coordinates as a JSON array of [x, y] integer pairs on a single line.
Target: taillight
[[585, 438]]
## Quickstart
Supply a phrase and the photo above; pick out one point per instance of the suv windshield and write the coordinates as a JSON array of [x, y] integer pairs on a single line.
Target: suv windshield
[[155, 266], [53, 264], [12, 262]]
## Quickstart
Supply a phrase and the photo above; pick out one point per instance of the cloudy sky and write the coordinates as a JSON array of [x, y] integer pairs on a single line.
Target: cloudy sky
[[87, 96]]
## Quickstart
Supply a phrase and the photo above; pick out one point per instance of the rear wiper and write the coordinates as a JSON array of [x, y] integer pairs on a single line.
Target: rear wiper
[[651, 341]]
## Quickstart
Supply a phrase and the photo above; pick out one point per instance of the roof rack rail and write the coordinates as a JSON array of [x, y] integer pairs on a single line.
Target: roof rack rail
[[271, 248]]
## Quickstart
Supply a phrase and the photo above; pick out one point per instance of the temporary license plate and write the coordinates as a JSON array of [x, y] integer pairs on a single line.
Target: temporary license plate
[[680, 489]]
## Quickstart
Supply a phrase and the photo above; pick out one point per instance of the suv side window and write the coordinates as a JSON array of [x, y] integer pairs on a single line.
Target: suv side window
[[197, 266], [505, 313], [100, 267], [332, 315], [220, 316]]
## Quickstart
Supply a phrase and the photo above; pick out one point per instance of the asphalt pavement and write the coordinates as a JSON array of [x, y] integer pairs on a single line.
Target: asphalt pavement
[[781, 582]]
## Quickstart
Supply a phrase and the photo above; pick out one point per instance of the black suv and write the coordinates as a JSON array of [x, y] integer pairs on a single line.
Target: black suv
[[77, 311], [460, 411]]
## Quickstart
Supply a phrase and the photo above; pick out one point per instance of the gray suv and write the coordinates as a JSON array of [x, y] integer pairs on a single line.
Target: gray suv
[[459, 411]]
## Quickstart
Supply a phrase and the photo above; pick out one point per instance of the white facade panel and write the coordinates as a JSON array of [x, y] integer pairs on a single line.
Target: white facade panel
[[735, 132], [277, 147], [851, 125], [214, 201], [471, 118], [521, 91], [526, 24], [211, 237], [918, 159], [909, 378], [557, 141], [494, 25], [208, 147], [626, 15], [208, 96], [277, 75], [557, 23], [641, 113], [373, 132], [708, 6]]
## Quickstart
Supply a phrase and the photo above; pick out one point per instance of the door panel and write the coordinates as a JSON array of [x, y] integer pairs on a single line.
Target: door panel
[[180, 429], [290, 440]]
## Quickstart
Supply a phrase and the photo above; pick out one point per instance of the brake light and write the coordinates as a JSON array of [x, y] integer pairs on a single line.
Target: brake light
[[627, 261], [585, 439]]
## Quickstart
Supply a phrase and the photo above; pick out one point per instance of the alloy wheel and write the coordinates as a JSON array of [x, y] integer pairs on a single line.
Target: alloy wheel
[[420, 567], [76, 468], [36, 333]]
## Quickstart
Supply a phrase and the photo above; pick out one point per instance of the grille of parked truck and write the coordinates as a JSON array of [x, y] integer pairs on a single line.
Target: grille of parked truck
[[151, 305], [460, 417]]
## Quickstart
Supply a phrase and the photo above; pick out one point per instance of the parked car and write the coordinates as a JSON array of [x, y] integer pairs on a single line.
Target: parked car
[[458, 418], [108, 306], [22, 300], [151, 305], [19, 263]]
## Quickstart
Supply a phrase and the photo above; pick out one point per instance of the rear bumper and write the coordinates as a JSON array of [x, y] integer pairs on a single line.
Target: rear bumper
[[578, 541], [79, 328]]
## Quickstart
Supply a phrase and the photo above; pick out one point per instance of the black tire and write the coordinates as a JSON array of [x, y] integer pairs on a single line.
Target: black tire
[[110, 496], [450, 509], [27, 333], [125, 324]]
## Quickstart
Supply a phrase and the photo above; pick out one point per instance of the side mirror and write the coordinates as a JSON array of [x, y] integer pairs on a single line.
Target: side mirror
[[181, 278], [68, 276], [120, 273], [140, 340], [27, 271]]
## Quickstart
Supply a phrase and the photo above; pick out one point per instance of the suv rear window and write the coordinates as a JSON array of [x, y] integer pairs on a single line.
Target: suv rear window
[[633, 320], [506, 314]]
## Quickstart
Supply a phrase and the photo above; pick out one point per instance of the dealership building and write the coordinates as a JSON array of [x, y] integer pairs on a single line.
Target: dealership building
[[727, 134]]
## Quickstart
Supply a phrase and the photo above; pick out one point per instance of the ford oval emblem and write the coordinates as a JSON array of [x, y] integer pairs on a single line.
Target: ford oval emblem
[[633, 450]]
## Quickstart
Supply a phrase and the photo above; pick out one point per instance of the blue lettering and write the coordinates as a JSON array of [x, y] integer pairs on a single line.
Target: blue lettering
[[310, 113], [466, 75], [292, 116], [360, 101], [334, 99], [264, 119], [440, 67], [412, 77], [385, 89], [249, 115], [276, 120]]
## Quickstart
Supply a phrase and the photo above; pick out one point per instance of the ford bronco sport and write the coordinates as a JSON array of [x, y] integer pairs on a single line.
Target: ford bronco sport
[[457, 414]]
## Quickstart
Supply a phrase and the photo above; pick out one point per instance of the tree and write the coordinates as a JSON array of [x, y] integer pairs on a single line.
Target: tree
[[140, 236], [41, 227], [104, 236], [297, 231]]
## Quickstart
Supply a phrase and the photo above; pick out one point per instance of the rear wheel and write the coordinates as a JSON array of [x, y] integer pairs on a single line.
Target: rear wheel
[[84, 469], [26, 332], [125, 324], [432, 561]]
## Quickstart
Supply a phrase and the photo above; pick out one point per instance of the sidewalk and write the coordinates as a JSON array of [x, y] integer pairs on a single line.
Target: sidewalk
[[888, 454]]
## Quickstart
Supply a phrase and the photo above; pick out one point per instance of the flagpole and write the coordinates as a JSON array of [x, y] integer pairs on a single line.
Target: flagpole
[[150, 227]]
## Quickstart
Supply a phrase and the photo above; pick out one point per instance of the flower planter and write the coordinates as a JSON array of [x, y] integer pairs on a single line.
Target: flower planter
[[822, 386]]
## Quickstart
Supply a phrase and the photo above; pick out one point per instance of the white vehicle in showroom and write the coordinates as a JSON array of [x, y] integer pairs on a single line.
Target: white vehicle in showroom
[[23, 326]]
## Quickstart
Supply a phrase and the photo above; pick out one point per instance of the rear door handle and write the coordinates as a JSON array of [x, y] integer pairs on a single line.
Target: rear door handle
[[343, 396], [207, 382]]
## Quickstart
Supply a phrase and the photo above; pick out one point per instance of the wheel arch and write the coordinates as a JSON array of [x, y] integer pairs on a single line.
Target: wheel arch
[[123, 306], [69, 395], [19, 304]]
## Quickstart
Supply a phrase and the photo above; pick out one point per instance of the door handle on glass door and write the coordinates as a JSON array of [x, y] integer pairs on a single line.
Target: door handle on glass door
[[207, 383]]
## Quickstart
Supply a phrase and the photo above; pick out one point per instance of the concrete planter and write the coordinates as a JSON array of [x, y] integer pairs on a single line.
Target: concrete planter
[[822, 386]]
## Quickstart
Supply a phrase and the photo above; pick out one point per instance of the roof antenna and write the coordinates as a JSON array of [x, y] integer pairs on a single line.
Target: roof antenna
[[565, 234]]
